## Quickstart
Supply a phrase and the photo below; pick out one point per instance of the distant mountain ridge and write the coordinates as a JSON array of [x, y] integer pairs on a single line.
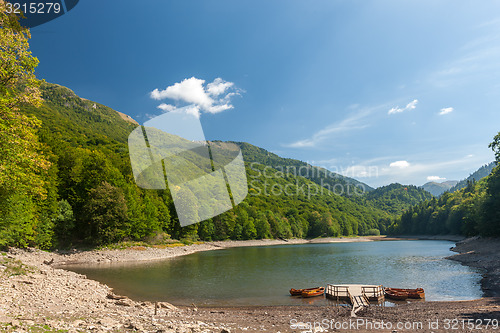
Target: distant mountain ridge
[[482, 172], [436, 189]]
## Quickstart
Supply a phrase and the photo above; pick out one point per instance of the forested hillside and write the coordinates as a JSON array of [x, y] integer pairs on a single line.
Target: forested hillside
[[472, 210], [477, 175], [395, 198], [92, 197], [335, 182], [66, 176]]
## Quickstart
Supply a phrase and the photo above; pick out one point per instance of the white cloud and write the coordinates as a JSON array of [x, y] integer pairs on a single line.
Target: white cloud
[[218, 87], [213, 97], [410, 106], [435, 178], [166, 107], [446, 111], [192, 109], [400, 164]]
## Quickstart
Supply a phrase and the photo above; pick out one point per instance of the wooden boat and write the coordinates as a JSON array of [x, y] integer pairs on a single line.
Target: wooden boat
[[298, 292], [412, 293], [402, 294], [396, 295], [313, 292]]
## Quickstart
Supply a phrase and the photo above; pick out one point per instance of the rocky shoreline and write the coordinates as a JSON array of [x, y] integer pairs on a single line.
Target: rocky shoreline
[[50, 299], [482, 253]]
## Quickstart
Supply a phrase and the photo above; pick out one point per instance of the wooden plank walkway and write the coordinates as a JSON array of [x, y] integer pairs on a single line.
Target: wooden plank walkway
[[357, 294]]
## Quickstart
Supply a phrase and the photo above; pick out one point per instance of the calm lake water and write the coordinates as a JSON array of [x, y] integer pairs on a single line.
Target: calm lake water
[[263, 275]]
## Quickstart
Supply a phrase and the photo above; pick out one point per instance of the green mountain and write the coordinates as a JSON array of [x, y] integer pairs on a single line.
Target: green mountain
[[471, 210], [396, 198], [479, 174], [436, 189], [93, 198], [335, 182]]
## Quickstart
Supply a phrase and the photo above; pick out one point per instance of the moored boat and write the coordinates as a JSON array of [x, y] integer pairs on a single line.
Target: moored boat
[[298, 292], [312, 292], [396, 295], [417, 293]]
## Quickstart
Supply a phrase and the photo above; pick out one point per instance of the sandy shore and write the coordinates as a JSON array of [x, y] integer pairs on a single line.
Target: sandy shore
[[50, 299]]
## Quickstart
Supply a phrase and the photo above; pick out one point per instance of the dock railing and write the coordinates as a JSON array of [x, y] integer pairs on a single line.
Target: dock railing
[[373, 292], [341, 292]]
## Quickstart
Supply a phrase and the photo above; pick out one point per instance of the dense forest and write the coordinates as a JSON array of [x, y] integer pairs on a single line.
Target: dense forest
[[90, 194], [66, 178], [395, 198], [471, 210]]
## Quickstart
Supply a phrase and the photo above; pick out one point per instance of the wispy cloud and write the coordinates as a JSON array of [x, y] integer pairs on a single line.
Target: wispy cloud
[[446, 111], [410, 106], [353, 122], [477, 60], [213, 97]]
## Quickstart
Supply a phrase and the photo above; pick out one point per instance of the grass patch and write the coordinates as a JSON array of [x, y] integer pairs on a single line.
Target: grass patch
[[164, 246], [44, 329], [13, 266], [142, 246]]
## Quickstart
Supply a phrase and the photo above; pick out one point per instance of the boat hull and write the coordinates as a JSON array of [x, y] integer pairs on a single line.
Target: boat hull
[[313, 293], [401, 294], [298, 292]]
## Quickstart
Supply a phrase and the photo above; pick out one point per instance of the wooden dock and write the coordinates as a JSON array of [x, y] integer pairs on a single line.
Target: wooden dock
[[358, 295]]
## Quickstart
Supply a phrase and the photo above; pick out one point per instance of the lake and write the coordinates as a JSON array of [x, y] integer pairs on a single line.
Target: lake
[[263, 275]]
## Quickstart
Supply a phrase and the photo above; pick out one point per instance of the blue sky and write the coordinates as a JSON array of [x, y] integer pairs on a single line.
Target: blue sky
[[383, 91]]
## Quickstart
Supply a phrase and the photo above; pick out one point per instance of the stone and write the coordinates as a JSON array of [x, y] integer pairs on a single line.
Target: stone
[[78, 322], [109, 323], [124, 302], [167, 306]]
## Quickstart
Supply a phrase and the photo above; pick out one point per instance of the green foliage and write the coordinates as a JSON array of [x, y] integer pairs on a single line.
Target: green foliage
[[289, 168], [373, 232], [489, 223], [472, 210], [64, 223], [395, 198], [17, 216], [18, 84], [479, 174], [27, 193], [495, 146], [105, 215]]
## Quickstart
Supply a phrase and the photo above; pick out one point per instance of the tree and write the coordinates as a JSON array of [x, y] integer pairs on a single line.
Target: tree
[[20, 160], [65, 221], [495, 146], [106, 215], [22, 165], [249, 230]]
